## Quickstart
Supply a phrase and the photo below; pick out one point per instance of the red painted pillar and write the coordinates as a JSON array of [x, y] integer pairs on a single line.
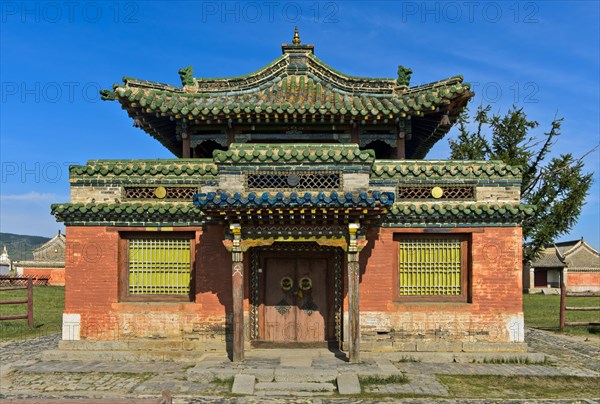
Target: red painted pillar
[[237, 284], [353, 296]]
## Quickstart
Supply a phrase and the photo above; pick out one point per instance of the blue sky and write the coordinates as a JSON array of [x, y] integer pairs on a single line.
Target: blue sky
[[540, 55]]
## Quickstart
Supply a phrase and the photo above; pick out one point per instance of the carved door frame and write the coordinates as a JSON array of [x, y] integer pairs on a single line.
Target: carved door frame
[[335, 297]]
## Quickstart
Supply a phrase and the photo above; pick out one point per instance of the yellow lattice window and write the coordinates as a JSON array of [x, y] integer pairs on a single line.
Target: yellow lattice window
[[432, 266], [159, 266]]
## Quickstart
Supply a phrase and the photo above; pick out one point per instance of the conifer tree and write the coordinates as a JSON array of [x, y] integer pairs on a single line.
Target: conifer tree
[[557, 186]]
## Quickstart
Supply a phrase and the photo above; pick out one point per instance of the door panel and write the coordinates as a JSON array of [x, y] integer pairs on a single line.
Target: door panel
[[299, 313], [279, 312], [311, 303]]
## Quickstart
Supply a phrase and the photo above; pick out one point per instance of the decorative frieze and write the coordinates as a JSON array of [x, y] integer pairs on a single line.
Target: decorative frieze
[[294, 181], [439, 192], [160, 193]]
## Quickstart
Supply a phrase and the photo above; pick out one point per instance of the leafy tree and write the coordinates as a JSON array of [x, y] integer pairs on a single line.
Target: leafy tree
[[557, 186]]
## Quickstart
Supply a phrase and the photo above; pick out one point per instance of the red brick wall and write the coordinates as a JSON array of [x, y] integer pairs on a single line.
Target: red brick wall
[[213, 276], [92, 289], [91, 275], [56, 276], [494, 306], [583, 281]]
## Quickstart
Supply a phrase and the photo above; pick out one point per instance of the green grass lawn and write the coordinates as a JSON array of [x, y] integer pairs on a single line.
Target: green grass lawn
[[542, 311], [521, 387], [48, 304]]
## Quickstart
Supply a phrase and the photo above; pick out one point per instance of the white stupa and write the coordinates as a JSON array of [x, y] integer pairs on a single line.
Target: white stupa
[[4, 262]]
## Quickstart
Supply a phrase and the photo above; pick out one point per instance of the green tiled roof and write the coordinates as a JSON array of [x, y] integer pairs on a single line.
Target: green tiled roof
[[125, 212], [180, 168], [401, 213], [419, 169], [288, 153], [293, 94], [323, 154], [288, 89], [473, 213]]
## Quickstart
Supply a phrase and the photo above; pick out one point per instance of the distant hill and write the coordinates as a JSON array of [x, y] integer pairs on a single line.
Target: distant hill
[[20, 246]]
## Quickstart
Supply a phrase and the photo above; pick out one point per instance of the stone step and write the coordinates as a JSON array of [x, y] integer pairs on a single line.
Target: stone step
[[282, 393], [462, 357], [122, 356], [304, 375], [288, 388], [143, 345], [378, 345]]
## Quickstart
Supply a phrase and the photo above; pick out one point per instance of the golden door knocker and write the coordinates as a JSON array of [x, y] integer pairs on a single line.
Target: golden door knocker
[[305, 283], [286, 283]]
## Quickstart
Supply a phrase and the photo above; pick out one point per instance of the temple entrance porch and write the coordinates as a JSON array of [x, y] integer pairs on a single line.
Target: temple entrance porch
[[296, 295], [296, 288]]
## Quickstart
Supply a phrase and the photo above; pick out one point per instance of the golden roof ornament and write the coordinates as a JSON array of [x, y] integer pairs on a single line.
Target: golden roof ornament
[[296, 40]]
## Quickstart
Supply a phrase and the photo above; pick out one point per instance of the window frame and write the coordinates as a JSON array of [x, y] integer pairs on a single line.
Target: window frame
[[124, 237], [465, 278]]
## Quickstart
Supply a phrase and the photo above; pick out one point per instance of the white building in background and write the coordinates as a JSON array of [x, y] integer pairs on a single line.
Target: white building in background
[[5, 262]]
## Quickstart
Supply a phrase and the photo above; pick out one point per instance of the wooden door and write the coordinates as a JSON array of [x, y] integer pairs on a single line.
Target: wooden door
[[540, 279], [295, 299]]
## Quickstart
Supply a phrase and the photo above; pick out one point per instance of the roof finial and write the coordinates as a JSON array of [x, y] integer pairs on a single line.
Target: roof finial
[[296, 40]]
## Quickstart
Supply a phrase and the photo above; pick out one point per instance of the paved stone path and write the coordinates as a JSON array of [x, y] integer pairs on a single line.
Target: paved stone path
[[24, 376], [566, 349]]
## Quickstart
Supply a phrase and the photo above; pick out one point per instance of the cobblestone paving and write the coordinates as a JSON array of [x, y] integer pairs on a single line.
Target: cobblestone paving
[[493, 369], [75, 382], [565, 349], [24, 376]]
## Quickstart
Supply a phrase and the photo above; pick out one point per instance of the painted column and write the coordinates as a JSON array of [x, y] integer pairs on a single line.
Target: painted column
[[237, 284], [400, 146], [531, 278], [186, 145], [353, 293], [404, 133]]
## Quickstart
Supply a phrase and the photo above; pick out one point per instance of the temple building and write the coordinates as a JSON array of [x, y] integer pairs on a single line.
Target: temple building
[[576, 261], [48, 262], [299, 212]]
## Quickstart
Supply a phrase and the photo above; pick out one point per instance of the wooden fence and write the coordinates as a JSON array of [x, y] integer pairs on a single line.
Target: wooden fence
[[28, 302], [8, 280], [564, 308]]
